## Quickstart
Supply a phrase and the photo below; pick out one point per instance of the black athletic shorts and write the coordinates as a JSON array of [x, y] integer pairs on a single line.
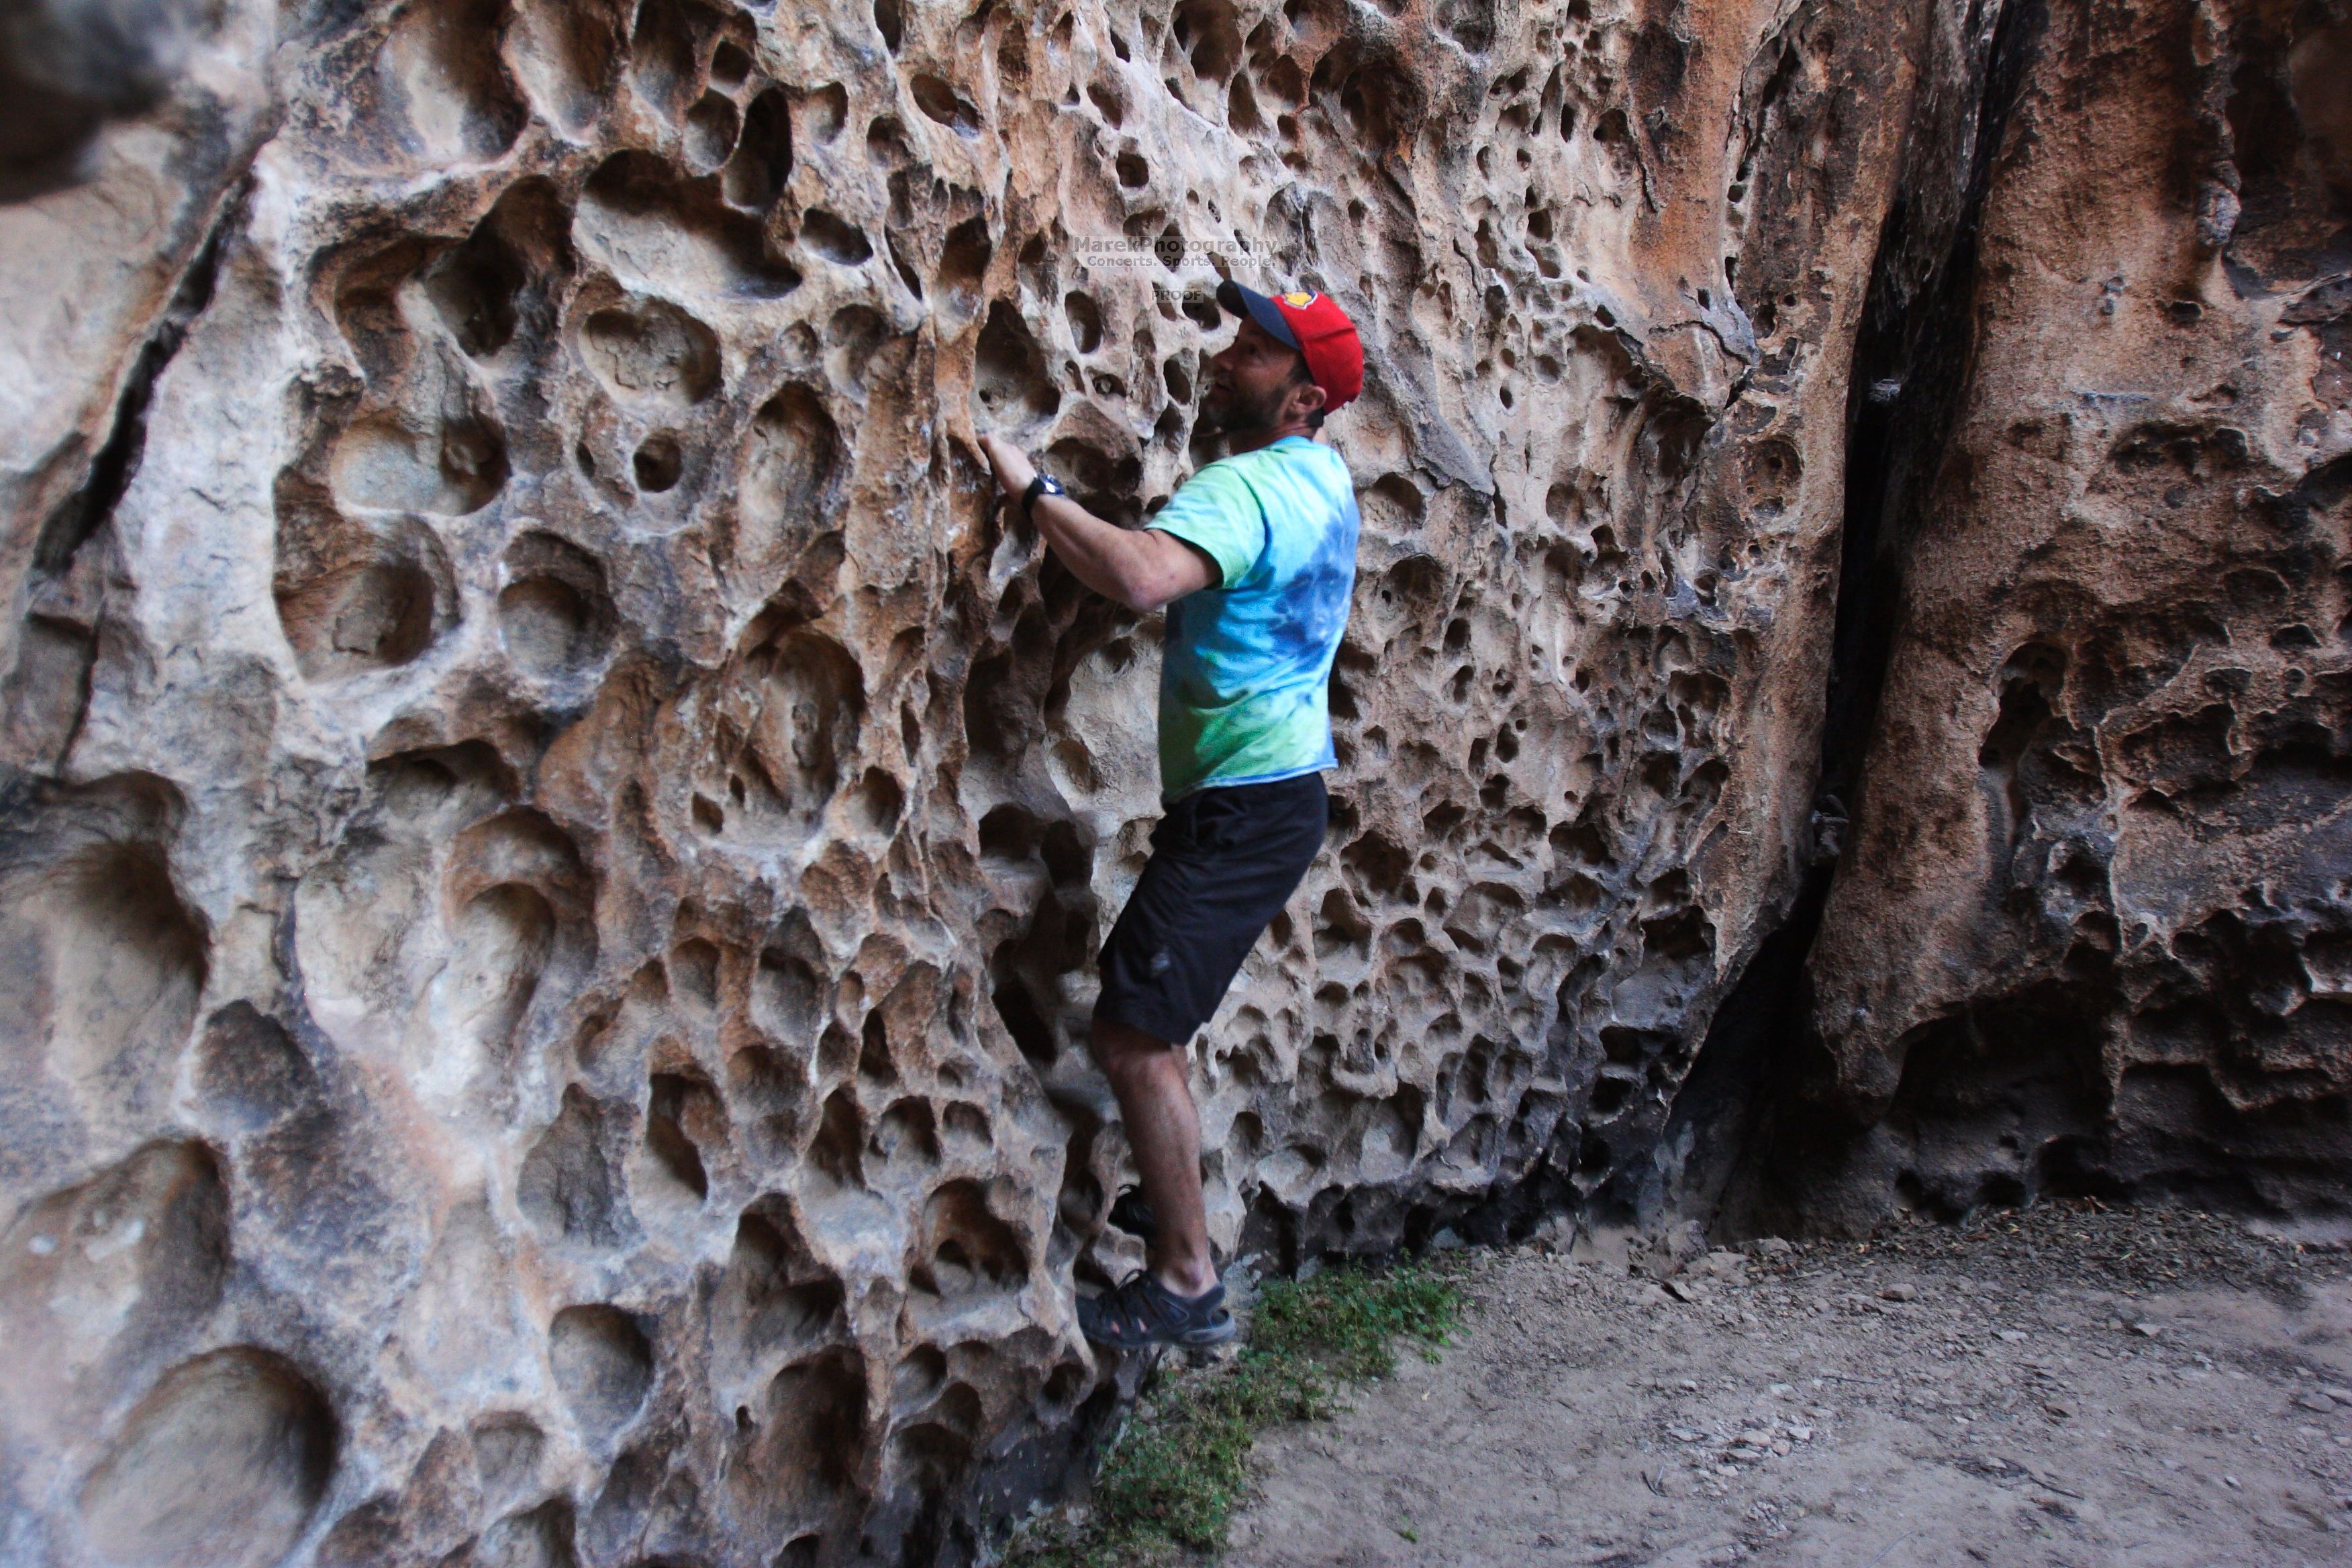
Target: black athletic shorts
[[1224, 862]]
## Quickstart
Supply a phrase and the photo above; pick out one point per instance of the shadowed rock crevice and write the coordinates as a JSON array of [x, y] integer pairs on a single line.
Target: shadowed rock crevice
[[111, 470], [1730, 1153]]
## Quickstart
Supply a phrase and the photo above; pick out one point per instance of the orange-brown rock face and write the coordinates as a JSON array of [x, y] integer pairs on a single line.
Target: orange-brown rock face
[[552, 846], [2094, 928]]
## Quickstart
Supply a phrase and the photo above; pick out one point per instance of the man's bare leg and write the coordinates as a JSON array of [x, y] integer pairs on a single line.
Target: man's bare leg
[[1152, 1081]]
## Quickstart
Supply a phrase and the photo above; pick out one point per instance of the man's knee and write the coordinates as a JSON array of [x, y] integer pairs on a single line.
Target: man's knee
[[1122, 1050]]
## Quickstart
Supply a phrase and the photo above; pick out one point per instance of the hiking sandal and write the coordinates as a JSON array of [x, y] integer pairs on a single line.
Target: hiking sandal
[[1132, 1213], [1144, 1312]]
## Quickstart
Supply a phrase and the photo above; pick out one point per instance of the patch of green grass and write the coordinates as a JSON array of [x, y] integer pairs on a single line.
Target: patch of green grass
[[1177, 1471]]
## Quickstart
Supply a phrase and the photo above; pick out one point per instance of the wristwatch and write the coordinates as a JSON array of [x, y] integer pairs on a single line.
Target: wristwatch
[[1042, 485]]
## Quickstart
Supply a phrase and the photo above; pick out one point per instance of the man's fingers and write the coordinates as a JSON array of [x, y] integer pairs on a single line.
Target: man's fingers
[[997, 452], [1012, 467]]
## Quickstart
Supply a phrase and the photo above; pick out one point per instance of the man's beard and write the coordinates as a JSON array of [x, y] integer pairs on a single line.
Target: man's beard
[[1236, 415]]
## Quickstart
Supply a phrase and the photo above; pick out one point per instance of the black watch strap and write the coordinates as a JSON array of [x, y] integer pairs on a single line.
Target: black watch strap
[[1039, 484]]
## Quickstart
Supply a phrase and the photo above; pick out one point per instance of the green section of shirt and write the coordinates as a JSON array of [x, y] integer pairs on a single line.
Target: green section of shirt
[[1217, 510]]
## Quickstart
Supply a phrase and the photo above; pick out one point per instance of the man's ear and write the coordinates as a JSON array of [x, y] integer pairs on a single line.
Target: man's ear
[[1305, 397]]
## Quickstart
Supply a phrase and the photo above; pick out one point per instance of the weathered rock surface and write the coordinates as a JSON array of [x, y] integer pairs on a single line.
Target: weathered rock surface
[[553, 846], [2095, 924]]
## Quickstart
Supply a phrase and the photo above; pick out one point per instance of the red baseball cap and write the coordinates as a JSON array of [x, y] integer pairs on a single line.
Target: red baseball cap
[[1314, 325]]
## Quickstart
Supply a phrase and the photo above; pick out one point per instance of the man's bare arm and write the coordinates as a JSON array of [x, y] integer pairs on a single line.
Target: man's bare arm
[[1143, 569]]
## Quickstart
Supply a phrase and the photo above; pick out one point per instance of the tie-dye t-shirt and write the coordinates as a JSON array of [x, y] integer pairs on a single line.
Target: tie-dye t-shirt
[[1244, 681]]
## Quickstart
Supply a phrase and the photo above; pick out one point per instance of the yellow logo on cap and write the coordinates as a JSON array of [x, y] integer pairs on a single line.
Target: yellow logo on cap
[[1298, 301]]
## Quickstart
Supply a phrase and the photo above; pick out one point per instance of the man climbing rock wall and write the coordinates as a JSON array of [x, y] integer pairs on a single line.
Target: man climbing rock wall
[[553, 852]]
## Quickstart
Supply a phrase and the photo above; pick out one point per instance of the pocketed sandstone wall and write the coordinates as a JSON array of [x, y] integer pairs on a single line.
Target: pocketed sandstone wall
[[552, 845]]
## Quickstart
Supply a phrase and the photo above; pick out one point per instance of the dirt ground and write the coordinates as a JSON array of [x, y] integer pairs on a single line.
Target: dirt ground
[[2055, 1387]]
